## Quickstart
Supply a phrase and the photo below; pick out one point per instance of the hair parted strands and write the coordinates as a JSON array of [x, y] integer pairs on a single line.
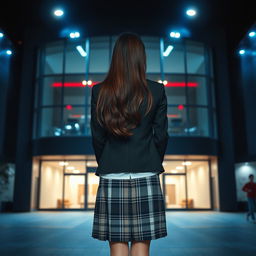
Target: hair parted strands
[[124, 88]]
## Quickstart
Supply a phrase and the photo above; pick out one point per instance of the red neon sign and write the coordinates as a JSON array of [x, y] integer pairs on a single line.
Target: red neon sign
[[181, 84], [80, 84]]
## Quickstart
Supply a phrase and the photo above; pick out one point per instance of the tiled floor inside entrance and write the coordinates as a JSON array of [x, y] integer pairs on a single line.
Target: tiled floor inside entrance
[[195, 233]]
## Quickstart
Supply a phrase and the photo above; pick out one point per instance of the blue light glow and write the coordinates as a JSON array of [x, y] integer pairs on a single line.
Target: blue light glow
[[168, 50], [242, 51], [174, 34], [191, 12], [81, 51], [252, 34], [58, 12], [74, 35], [1, 35], [8, 52]]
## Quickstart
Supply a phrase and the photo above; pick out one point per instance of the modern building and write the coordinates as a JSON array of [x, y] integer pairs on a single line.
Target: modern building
[[63, 163], [54, 159]]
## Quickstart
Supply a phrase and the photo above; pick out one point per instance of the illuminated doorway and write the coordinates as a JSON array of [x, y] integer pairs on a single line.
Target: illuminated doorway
[[68, 184], [73, 192], [186, 185], [72, 184], [174, 191]]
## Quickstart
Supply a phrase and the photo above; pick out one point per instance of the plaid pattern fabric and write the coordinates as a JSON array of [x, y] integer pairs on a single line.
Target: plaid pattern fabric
[[129, 209]]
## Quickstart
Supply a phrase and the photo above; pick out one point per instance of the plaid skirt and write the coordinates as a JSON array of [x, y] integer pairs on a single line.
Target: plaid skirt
[[129, 209]]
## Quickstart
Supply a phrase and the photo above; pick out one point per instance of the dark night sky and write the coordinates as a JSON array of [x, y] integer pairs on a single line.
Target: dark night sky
[[112, 17]]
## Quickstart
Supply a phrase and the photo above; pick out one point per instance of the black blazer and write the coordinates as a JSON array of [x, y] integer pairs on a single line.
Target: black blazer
[[144, 150]]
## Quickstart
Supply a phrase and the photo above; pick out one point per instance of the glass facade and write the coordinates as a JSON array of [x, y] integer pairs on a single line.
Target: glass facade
[[187, 184], [68, 69], [72, 184]]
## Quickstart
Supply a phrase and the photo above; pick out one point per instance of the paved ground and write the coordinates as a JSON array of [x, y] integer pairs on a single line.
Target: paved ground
[[68, 233]]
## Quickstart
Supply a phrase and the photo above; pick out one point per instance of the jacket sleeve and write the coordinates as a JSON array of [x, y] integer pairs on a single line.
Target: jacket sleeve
[[160, 125], [98, 132]]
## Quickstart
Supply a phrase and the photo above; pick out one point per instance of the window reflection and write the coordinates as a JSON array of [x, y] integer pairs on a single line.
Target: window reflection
[[154, 77], [175, 89], [52, 89], [199, 124], [51, 124], [74, 120], [174, 62], [75, 62], [197, 92], [74, 89], [152, 48], [53, 63], [177, 120], [213, 94], [195, 58], [99, 54]]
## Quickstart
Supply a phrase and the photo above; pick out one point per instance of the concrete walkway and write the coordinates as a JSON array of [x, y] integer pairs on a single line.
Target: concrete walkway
[[68, 233]]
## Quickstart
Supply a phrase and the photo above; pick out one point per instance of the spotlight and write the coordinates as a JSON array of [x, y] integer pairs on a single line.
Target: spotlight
[[74, 35], [191, 12], [8, 52], [1, 35], [242, 52], [58, 12], [175, 34], [252, 34], [172, 34]]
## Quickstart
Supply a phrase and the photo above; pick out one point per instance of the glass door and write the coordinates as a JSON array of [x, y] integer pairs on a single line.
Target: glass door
[[74, 191], [174, 191]]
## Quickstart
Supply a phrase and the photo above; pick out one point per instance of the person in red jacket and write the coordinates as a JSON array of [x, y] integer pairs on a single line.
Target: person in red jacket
[[250, 188]]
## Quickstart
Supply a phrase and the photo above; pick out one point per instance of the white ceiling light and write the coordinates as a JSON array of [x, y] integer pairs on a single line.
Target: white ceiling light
[[191, 12], [168, 50], [81, 51], [58, 12]]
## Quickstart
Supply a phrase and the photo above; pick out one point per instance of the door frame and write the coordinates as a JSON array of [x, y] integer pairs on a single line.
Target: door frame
[[89, 169]]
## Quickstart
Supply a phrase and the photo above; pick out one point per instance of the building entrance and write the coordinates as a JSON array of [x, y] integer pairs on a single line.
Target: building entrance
[[72, 184]]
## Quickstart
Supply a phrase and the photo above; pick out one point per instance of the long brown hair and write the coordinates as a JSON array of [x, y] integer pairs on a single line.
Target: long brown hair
[[124, 88]]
